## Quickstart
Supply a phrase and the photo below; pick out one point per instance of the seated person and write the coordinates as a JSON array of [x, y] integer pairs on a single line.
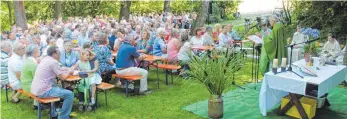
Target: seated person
[[184, 52], [126, 63], [159, 47], [84, 66], [208, 40], [68, 57], [51, 42], [144, 45], [197, 40], [331, 49], [217, 32], [32, 53], [44, 82], [233, 33], [298, 50], [225, 41], [119, 40], [103, 54], [15, 64]]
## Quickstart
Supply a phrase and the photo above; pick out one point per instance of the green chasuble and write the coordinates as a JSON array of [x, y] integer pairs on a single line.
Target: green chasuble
[[273, 47]]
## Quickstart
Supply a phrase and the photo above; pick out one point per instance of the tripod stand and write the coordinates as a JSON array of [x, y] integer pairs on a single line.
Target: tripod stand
[[291, 55], [255, 63]]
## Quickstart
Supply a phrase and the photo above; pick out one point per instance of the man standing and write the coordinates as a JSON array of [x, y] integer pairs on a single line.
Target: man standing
[[45, 85], [14, 70], [126, 63], [273, 45]]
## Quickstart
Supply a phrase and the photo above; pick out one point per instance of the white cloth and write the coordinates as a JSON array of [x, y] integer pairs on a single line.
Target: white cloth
[[60, 44], [135, 71], [183, 53], [274, 87], [43, 40], [15, 64], [197, 42]]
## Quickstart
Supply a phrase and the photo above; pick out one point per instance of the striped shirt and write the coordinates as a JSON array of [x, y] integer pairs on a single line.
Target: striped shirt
[[3, 69]]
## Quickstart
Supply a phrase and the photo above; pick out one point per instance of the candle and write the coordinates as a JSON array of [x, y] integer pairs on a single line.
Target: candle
[[284, 62], [275, 63]]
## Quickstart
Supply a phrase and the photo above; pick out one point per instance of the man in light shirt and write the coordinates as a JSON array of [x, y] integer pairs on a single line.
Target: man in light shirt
[[331, 48], [14, 70]]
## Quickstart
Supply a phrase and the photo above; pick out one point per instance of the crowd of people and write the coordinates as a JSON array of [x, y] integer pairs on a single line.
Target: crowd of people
[[33, 59]]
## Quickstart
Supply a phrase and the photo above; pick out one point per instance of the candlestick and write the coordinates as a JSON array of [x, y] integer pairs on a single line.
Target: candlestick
[[284, 62], [275, 63]]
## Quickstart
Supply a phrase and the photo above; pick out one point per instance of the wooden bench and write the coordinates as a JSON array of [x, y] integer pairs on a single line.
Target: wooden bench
[[41, 100], [167, 68], [104, 87], [127, 80]]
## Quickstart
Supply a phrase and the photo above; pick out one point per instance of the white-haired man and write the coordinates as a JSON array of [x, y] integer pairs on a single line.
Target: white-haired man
[[273, 45], [126, 56], [14, 70]]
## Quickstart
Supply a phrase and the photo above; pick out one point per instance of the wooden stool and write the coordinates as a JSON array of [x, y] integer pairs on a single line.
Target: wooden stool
[[104, 87], [127, 80]]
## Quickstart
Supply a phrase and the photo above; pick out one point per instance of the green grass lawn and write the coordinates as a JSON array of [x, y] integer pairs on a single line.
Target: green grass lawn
[[165, 102]]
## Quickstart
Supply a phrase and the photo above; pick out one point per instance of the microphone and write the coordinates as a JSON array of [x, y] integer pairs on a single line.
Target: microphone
[[306, 42]]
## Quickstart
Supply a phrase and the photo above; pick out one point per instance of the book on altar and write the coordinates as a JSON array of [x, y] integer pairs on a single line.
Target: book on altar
[[255, 39]]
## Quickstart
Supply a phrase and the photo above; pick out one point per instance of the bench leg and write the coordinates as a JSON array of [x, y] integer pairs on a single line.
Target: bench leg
[[126, 88], [39, 111], [166, 73], [171, 77], [105, 97], [96, 98], [51, 111], [6, 88], [158, 75]]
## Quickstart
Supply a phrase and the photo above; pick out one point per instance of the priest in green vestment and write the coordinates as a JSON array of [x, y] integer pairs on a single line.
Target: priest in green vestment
[[274, 46]]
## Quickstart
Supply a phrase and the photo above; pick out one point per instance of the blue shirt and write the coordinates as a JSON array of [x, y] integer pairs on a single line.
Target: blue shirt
[[158, 45], [126, 56], [82, 38], [112, 38], [68, 60], [234, 35]]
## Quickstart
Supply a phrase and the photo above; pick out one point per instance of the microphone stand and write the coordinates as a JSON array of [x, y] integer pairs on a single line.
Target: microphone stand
[[291, 55]]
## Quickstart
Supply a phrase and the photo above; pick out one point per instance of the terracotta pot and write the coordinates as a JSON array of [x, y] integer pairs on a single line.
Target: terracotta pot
[[215, 107]]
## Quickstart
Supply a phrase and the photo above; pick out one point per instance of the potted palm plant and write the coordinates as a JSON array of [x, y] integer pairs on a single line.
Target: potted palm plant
[[215, 71]]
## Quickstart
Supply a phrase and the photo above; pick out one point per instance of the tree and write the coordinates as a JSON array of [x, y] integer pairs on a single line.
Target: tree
[[9, 11], [57, 9], [19, 11], [125, 10], [327, 16], [201, 18], [167, 7]]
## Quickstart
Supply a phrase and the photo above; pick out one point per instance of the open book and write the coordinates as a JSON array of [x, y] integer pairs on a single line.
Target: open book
[[255, 39]]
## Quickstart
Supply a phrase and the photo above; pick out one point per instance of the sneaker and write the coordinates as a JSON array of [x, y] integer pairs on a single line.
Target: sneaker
[[93, 101], [81, 108], [131, 86], [89, 108], [145, 92]]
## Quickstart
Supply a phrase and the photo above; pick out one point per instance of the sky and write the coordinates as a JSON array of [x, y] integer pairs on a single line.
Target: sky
[[251, 6]]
